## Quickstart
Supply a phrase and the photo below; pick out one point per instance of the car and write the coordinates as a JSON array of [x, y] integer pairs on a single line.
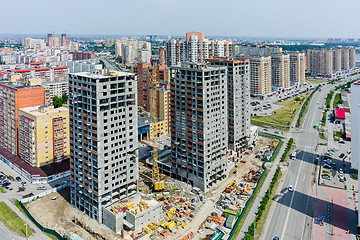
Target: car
[[342, 155], [41, 188], [276, 238], [277, 132], [18, 179], [342, 142], [326, 176], [341, 170], [6, 184], [23, 183], [265, 129], [31, 195], [291, 188], [327, 166]]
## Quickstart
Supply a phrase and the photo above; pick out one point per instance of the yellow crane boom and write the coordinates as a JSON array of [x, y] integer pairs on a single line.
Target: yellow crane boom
[[157, 182]]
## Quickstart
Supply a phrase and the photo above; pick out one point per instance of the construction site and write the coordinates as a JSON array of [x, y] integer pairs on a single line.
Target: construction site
[[179, 211]]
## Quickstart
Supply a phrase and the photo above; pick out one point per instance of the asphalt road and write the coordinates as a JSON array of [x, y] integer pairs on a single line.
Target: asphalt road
[[292, 216]]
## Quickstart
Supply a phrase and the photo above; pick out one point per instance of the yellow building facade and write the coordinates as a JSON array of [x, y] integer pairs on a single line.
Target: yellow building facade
[[43, 134]]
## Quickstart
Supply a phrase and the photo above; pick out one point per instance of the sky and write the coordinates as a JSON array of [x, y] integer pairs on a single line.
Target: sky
[[250, 18]]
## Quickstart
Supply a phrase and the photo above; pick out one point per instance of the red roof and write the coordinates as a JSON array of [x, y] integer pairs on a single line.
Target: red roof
[[340, 113]]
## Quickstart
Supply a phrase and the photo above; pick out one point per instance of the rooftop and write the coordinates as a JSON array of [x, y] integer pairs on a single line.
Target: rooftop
[[41, 110], [100, 74], [16, 84], [340, 113]]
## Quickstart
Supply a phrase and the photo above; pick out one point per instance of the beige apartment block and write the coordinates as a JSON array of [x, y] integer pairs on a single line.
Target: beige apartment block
[[260, 75], [43, 134], [280, 71], [297, 67]]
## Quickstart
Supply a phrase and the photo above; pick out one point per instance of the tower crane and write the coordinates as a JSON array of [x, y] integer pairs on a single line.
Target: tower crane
[[158, 184]]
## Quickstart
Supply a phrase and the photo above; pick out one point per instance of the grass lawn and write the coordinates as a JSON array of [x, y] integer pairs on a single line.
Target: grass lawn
[[337, 100], [12, 220], [285, 115], [50, 236], [266, 124], [315, 81], [2, 190]]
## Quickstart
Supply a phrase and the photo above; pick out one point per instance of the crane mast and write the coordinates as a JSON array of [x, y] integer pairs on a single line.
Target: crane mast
[[158, 184]]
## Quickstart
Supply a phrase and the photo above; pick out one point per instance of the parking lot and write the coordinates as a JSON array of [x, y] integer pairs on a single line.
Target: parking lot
[[18, 190], [333, 169]]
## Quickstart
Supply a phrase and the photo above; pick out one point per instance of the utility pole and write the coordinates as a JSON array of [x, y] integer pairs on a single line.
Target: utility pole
[[26, 230]]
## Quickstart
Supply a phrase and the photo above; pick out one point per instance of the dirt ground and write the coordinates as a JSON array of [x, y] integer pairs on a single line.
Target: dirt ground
[[58, 215]]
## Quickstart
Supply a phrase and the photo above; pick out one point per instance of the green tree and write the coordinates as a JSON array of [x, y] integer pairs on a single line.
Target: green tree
[[65, 97], [57, 101]]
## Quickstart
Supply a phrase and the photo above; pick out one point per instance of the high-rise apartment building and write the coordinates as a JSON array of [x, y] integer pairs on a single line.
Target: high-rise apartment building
[[47, 75], [118, 49], [43, 134], [297, 68], [280, 71], [320, 61], [345, 58], [329, 61], [103, 140], [196, 48], [12, 97], [144, 83], [238, 81], [199, 124], [260, 76]]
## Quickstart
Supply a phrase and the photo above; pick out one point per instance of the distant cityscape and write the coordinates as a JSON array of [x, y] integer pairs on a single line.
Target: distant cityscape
[[160, 137]]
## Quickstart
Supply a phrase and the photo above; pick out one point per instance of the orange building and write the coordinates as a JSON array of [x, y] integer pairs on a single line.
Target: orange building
[[144, 83], [12, 97]]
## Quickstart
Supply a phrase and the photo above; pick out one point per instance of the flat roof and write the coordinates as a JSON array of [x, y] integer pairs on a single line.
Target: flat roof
[[144, 120], [95, 75], [340, 113], [34, 110], [43, 171], [16, 85]]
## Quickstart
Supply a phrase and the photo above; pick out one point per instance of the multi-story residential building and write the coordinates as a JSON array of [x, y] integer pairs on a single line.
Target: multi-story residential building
[[238, 81], [103, 140], [280, 71], [48, 75], [57, 88], [260, 76], [352, 57], [162, 107], [144, 83], [337, 60], [118, 49], [345, 58], [330, 61], [82, 66], [297, 68], [12, 97], [82, 55], [196, 48], [162, 57], [43, 134], [248, 50], [320, 61], [199, 124]]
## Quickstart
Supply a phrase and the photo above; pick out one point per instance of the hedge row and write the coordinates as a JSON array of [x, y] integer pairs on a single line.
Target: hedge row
[[287, 149], [304, 106], [265, 200]]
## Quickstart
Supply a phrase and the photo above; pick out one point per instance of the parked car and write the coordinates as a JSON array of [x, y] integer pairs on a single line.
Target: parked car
[[342, 142], [41, 188], [18, 179], [341, 170], [6, 184], [291, 188], [327, 166], [326, 176], [23, 183], [342, 155]]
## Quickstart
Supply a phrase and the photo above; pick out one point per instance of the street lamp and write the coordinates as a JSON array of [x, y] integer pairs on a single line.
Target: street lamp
[[26, 230]]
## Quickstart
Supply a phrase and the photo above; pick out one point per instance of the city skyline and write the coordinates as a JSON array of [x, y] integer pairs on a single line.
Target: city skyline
[[243, 19]]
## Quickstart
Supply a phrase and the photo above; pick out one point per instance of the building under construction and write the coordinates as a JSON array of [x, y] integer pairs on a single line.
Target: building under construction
[[103, 140]]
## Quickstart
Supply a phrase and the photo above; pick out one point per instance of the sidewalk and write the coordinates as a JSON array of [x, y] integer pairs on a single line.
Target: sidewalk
[[251, 216]]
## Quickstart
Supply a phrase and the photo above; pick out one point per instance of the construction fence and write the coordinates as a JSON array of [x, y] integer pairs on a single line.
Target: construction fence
[[43, 229], [233, 230]]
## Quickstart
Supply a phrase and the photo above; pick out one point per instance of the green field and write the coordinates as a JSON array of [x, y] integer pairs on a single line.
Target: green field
[[315, 81], [13, 221], [285, 115]]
